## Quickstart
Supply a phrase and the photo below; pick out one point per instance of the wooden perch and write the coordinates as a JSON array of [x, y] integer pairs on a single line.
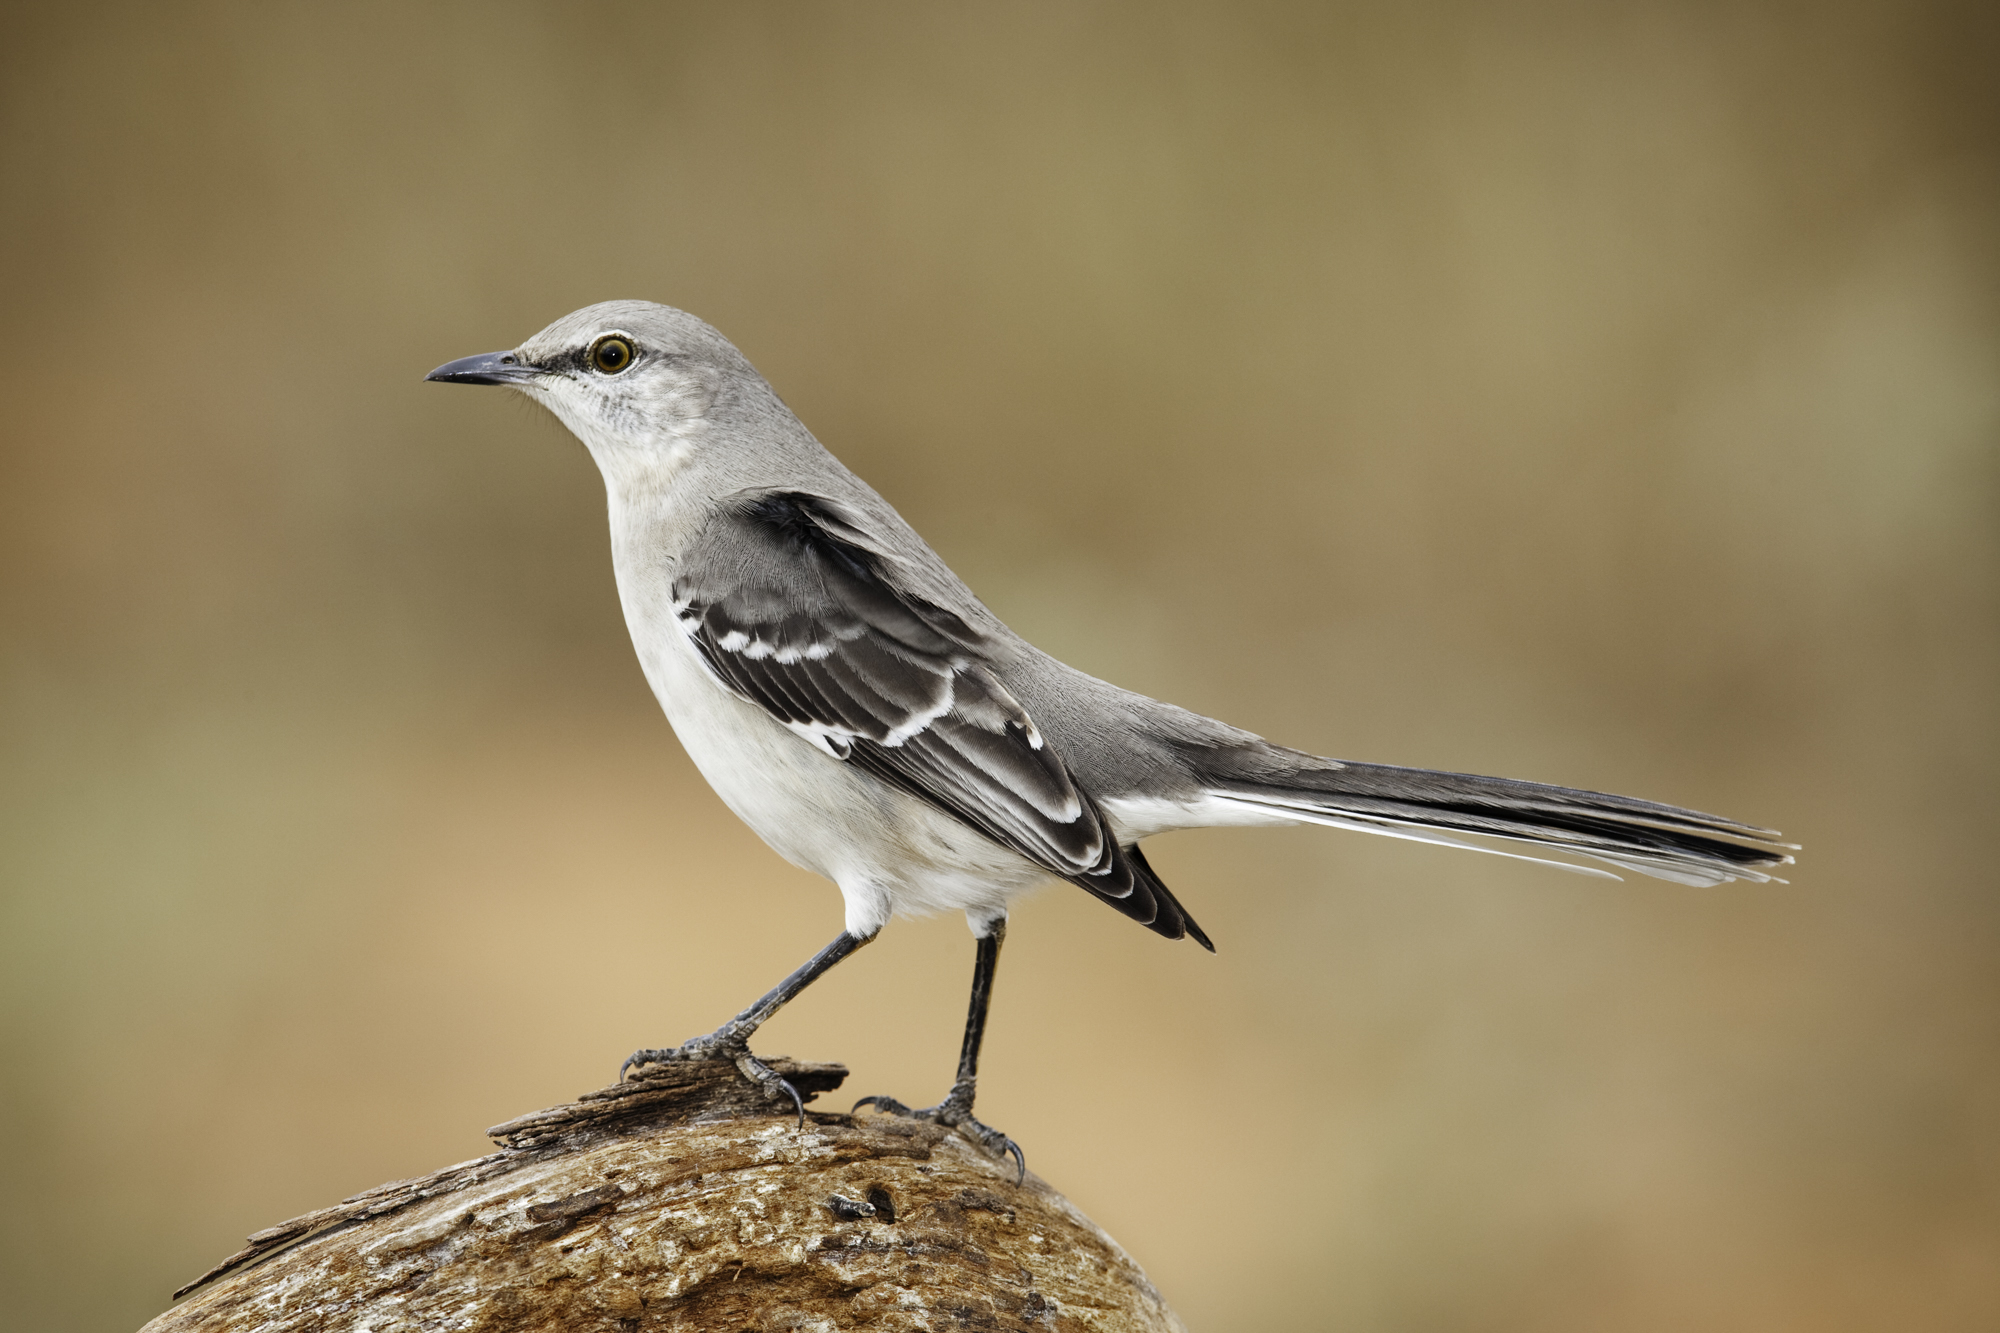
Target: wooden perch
[[682, 1200]]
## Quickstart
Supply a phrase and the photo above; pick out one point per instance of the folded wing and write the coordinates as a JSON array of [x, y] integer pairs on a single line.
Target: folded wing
[[795, 608]]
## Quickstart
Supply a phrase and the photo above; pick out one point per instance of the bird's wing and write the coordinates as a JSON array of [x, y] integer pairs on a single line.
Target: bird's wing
[[795, 607]]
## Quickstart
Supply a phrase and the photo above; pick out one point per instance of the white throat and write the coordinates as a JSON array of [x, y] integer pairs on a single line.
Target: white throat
[[639, 458]]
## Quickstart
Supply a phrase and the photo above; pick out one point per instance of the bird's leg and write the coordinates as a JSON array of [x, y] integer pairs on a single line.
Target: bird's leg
[[956, 1108], [731, 1041]]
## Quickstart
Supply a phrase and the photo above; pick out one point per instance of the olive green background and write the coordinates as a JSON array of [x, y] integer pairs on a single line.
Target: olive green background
[[1604, 394]]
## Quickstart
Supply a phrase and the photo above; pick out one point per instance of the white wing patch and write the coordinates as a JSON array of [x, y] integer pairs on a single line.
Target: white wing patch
[[921, 722], [736, 641], [837, 741]]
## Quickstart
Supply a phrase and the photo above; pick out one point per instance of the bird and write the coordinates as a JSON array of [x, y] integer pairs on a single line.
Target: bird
[[851, 700]]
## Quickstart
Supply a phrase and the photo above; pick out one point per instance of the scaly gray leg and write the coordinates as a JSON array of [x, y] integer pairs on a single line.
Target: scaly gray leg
[[956, 1108], [731, 1041]]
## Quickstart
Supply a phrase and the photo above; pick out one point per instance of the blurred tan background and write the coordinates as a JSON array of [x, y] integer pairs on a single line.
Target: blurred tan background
[[1602, 394]]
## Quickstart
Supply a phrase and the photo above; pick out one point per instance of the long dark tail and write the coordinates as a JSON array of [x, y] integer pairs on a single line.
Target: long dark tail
[[1659, 840]]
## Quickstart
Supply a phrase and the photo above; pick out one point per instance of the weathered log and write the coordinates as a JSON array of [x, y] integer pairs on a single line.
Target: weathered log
[[686, 1200]]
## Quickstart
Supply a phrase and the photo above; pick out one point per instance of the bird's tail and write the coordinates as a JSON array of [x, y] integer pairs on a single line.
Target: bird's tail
[[1663, 841]]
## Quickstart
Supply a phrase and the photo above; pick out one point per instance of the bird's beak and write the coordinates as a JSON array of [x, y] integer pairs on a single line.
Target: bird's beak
[[486, 368]]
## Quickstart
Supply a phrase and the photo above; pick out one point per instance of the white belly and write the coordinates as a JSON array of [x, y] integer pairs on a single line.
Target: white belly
[[890, 853]]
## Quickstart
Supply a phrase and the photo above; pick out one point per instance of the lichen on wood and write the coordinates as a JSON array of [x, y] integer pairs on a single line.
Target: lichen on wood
[[686, 1200]]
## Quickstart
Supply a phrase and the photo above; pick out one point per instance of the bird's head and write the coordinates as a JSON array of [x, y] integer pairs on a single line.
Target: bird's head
[[622, 375]]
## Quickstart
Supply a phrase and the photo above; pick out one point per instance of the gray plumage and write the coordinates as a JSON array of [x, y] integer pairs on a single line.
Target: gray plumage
[[873, 721]]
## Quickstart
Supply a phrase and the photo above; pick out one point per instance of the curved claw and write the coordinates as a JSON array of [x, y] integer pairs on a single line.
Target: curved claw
[[997, 1143], [758, 1072], [645, 1057], [956, 1115], [886, 1105], [798, 1102], [708, 1048]]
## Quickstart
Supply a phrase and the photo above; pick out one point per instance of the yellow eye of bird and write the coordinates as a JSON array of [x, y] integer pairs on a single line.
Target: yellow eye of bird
[[611, 355]]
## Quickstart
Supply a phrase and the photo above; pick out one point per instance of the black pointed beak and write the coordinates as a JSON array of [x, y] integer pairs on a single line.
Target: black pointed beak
[[486, 368]]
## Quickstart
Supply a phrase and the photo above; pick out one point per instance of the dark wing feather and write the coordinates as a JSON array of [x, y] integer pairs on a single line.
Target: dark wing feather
[[794, 608]]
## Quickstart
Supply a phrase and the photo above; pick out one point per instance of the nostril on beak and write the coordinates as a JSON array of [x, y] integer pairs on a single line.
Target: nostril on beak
[[487, 368]]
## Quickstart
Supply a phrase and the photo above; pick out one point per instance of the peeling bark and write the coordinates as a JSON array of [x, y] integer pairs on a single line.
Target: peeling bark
[[682, 1200]]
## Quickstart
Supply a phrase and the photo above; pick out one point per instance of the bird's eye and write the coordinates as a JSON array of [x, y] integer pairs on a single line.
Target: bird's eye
[[611, 354]]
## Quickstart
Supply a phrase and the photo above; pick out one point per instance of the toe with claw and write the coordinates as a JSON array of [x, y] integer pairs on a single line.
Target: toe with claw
[[722, 1045], [955, 1111]]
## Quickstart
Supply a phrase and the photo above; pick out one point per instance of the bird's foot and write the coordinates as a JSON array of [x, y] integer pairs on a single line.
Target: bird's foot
[[955, 1111], [722, 1044]]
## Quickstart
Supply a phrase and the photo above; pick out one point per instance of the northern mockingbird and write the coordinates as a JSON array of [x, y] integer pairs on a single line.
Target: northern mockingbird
[[853, 702]]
